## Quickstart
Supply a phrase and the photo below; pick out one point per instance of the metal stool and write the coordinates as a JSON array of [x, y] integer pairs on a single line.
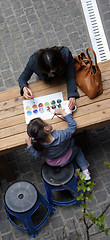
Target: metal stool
[[58, 179], [22, 199]]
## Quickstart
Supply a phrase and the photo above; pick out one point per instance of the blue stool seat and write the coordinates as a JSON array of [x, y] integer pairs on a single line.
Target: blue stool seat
[[22, 199], [58, 179]]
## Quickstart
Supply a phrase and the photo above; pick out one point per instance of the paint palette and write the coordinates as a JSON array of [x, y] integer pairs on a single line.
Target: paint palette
[[64, 106], [42, 107]]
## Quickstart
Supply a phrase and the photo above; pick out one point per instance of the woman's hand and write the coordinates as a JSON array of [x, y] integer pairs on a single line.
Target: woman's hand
[[72, 102], [28, 140], [27, 93]]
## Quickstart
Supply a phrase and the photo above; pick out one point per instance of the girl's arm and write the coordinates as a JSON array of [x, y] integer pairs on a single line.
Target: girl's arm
[[68, 132], [34, 153]]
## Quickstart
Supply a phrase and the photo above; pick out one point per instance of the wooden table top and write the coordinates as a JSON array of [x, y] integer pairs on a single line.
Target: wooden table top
[[89, 114]]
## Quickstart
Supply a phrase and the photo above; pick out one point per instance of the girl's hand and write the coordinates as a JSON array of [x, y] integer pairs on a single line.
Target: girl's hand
[[59, 111], [72, 102], [28, 140], [27, 93]]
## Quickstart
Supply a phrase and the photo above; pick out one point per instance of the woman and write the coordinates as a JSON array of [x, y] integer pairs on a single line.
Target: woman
[[49, 63]]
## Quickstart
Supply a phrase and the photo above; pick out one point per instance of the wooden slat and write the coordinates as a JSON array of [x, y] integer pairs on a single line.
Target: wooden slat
[[90, 113], [14, 107], [94, 118], [13, 130], [12, 103], [89, 120], [106, 76], [82, 101], [92, 108], [82, 111], [9, 94], [82, 122], [14, 92], [17, 110], [104, 66], [12, 142], [8, 122]]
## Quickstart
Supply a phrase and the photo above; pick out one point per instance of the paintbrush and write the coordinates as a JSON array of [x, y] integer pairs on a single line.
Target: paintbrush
[[57, 116]]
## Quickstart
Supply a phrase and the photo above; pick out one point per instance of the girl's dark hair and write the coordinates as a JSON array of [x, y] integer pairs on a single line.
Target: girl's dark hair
[[35, 130], [49, 59]]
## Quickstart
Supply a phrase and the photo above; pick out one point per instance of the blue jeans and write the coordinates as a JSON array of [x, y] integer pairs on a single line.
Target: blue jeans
[[78, 157]]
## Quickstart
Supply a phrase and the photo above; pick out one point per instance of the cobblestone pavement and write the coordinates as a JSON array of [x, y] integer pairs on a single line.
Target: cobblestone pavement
[[25, 26]]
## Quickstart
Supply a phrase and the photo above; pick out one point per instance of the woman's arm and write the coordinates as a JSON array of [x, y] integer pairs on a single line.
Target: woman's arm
[[26, 75], [70, 74], [70, 78]]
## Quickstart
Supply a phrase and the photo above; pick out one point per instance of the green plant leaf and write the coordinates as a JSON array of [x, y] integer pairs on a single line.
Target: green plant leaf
[[106, 231], [89, 182], [107, 164], [80, 219], [84, 205]]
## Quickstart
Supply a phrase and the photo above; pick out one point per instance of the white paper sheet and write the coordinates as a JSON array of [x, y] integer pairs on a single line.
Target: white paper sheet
[[32, 109]]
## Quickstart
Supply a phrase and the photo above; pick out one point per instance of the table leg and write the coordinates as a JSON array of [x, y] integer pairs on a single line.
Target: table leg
[[5, 169]]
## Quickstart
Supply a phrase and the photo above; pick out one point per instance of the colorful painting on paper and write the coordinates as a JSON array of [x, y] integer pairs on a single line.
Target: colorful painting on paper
[[42, 107]]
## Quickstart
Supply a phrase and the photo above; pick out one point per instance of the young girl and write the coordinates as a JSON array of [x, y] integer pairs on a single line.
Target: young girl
[[56, 146]]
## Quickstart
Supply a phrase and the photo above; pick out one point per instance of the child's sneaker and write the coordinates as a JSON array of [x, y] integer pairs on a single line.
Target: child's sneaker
[[87, 174]]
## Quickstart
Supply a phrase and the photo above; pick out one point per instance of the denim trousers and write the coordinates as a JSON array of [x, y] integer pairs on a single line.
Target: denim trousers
[[78, 157]]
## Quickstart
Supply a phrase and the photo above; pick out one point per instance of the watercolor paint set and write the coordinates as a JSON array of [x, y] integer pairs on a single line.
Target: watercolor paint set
[[42, 107]]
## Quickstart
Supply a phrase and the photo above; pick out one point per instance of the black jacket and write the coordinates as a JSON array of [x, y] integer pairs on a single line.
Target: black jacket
[[68, 72]]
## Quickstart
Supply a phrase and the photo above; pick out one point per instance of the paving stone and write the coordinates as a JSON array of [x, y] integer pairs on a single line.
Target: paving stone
[[26, 3], [6, 74], [47, 27], [53, 42], [8, 236], [104, 2], [19, 12], [4, 65], [10, 20], [65, 42], [22, 19], [16, 4], [101, 195], [68, 211], [29, 11], [4, 227], [50, 34], [5, 4], [106, 146], [9, 82], [32, 18]]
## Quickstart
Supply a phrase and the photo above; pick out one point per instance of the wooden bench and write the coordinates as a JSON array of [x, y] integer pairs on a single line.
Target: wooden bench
[[90, 113]]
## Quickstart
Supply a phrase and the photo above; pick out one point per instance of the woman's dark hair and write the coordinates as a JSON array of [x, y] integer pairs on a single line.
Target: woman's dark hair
[[35, 130], [49, 59]]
